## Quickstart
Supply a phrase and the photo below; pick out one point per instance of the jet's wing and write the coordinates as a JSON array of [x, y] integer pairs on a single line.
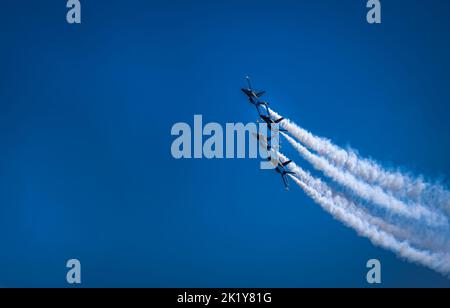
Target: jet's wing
[[259, 94], [286, 163], [279, 120]]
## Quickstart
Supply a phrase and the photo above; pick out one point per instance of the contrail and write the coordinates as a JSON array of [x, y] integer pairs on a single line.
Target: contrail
[[400, 185], [415, 233], [368, 192], [436, 261], [365, 224], [343, 201]]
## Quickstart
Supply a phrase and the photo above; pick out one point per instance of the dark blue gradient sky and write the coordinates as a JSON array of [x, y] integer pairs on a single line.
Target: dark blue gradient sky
[[85, 118]]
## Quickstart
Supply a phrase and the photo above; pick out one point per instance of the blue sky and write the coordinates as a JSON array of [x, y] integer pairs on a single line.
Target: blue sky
[[85, 118]]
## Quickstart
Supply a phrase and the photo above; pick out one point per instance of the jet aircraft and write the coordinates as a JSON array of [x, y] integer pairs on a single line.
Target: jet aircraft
[[281, 169]]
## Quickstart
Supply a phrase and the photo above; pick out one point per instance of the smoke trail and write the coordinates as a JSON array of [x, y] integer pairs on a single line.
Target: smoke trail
[[366, 225], [343, 201], [370, 193], [436, 261], [400, 185], [425, 237], [345, 211]]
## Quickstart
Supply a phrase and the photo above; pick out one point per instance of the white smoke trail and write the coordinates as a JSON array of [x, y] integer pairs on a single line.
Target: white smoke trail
[[370, 193], [426, 238], [366, 225], [401, 185], [436, 261], [343, 201]]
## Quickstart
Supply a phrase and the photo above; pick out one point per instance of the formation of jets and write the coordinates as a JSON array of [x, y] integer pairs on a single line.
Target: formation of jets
[[262, 108]]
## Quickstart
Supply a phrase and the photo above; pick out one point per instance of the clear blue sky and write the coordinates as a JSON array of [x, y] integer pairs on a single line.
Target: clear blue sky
[[85, 118]]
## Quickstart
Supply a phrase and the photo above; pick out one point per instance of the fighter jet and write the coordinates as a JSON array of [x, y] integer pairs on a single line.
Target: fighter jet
[[252, 95], [281, 169]]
